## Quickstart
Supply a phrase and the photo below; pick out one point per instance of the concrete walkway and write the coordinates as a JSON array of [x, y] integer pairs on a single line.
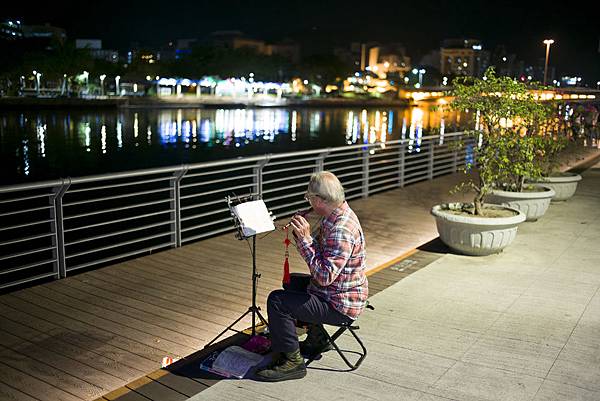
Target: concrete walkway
[[521, 325]]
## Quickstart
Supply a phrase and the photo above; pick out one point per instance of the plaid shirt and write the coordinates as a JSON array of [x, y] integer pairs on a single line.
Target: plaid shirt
[[336, 260]]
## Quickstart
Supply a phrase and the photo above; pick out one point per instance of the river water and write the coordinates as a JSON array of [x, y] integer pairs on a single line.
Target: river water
[[47, 144]]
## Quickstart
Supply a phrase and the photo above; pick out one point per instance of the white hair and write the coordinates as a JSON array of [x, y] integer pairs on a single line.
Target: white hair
[[327, 186]]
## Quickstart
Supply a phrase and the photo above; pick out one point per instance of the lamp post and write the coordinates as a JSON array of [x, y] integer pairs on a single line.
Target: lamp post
[[547, 42], [102, 78], [117, 79], [420, 72]]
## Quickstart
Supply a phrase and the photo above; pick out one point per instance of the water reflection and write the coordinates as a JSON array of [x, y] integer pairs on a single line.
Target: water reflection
[[173, 136]]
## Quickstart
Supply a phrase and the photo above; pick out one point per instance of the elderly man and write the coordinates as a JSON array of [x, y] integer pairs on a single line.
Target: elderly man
[[337, 289]]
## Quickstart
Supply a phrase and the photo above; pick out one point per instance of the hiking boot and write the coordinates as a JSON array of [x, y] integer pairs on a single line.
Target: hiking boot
[[316, 341], [289, 366]]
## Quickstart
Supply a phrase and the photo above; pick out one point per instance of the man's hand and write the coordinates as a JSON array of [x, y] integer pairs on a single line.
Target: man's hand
[[301, 227]]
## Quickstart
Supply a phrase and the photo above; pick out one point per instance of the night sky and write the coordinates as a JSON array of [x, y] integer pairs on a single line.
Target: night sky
[[420, 25]]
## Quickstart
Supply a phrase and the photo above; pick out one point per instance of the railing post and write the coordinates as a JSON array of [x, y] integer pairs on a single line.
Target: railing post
[[258, 177], [365, 172], [175, 195], [401, 161], [320, 162], [57, 226], [457, 147], [431, 159]]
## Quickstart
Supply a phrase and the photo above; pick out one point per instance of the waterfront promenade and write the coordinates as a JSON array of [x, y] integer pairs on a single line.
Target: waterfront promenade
[[520, 325]]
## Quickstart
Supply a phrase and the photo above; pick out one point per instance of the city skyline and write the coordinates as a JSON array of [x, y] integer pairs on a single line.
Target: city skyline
[[320, 26]]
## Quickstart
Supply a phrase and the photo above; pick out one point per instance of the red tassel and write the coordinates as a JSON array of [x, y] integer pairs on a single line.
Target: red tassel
[[286, 272], [286, 263]]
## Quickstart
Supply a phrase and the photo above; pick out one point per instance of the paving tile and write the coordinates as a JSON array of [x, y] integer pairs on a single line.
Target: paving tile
[[532, 328], [518, 356], [553, 391], [578, 365], [468, 382]]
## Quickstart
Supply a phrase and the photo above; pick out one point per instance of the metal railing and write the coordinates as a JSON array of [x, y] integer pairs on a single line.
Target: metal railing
[[52, 228]]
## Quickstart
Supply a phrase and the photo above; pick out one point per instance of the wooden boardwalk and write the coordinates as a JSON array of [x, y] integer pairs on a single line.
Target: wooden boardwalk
[[85, 336]]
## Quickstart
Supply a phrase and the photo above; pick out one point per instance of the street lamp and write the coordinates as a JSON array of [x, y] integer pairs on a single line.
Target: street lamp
[[117, 79], [547, 42], [102, 77], [86, 76], [37, 76], [420, 72]]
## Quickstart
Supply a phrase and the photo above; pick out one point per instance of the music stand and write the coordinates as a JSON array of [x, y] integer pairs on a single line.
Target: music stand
[[250, 217]]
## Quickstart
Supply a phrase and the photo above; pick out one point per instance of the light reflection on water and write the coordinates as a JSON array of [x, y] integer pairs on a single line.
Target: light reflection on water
[[38, 142]]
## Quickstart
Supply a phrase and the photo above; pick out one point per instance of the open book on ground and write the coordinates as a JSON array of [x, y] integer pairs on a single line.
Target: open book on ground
[[233, 361]]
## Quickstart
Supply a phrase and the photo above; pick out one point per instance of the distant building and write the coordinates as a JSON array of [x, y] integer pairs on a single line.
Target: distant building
[[44, 32], [94, 46], [463, 57], [238, 40], [286, 49], [381, 59]]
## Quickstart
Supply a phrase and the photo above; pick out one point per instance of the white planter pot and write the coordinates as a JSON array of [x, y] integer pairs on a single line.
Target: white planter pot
[[564, 185], [533, 204], [475, 235]]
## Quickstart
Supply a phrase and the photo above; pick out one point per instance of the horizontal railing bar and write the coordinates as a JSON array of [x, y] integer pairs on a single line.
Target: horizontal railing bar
[[116, 209], [199, 184], [27, 280], [29, 266], [373, 179], [28, 252], [118, 245], [276, 198], [227, 170], [203, 204], [127, 195], [287, 169], [415, 179], [131, 230], [393, 161], [344, 175], [216, 191], [393, 167], [141, 216], [271, 190], [441, 172], [379, 182], [27, 198], [26, 225], [120, 256], [386, 187], [33, 209], [288, 205], [197, 216], [416, 174], [33, 185], [14, 241], [124, 184], [417, 163], [350, 159], [205, 224], [290, 161], [208, 234], [422, 168], [289, 178]]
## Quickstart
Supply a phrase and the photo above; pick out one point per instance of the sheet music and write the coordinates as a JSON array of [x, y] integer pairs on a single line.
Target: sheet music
[[235, 361], [254, 217]]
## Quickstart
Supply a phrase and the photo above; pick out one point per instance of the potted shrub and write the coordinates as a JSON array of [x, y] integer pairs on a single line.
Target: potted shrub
[[478, 228], [514, 117], [555, 143]]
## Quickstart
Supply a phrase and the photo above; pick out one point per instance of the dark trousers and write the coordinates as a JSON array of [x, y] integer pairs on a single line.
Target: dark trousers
[[295, 303]]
